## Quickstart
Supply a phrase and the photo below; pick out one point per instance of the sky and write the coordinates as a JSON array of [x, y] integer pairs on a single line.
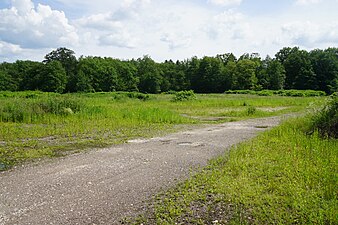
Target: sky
[[164, 29]]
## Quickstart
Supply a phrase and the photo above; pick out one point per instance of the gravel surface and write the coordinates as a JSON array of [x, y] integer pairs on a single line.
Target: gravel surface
[[104, 185]]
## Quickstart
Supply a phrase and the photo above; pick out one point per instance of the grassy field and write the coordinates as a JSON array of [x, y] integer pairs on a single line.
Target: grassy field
[[35, 125], [281, 177]]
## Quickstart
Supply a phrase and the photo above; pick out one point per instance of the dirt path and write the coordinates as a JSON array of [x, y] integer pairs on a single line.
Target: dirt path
[[104, 185]]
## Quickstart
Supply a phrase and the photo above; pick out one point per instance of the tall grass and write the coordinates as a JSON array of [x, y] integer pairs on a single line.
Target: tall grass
[[325, 119], [34, 110]]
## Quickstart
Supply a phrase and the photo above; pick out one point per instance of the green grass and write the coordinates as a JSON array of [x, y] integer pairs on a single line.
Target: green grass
[[293, 93], [36, 124], [281, 177]]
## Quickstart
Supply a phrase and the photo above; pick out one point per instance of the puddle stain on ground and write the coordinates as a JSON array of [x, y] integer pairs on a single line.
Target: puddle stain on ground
[[192, 144], [138, 141]]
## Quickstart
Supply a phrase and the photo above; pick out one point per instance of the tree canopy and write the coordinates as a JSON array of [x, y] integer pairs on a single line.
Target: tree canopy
[[61, 71]]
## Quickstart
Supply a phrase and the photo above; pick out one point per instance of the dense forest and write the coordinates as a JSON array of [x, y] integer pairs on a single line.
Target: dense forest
[[62, 72]]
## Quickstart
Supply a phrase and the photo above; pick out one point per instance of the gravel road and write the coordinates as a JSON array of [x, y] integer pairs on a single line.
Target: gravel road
[[102, 186]]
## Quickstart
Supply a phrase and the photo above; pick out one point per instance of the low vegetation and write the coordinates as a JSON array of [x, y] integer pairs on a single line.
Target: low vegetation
[[184, 96], [325, 119], [284, 176], [34, 124], [292, 93]]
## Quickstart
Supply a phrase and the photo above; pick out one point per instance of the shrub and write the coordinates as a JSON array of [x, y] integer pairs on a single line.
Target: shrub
[[325, 121], [138, 95], [130, 95], [265, 93], [291, 93], [184, 96], [251, 110]]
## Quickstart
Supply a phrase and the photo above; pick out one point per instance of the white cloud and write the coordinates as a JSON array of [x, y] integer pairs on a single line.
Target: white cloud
[[39, 27], [99, 22], [9, 49], [176, 40], [115, 28], [135, 3], [107, 30], [228, 24], [307, 2], [225, 2], [121, 39], [309, 34], [23, 6]]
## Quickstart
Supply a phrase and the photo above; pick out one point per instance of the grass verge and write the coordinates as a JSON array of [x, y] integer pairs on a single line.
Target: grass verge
[[281, 177]]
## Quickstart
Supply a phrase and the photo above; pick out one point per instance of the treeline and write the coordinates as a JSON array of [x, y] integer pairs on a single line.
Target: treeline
[[62, 72]]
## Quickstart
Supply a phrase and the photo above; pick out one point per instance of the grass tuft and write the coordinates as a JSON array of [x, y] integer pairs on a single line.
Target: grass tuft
[[325, 120]]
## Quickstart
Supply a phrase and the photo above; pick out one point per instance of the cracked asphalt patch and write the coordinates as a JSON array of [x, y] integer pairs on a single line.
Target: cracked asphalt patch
[[103, 186]]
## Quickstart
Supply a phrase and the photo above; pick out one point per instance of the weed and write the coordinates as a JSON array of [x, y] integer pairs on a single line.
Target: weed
[[325, 120], [251, 110], [184, 96]]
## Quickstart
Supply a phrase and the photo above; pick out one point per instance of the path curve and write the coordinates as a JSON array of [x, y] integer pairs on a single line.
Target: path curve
[[104, 185]]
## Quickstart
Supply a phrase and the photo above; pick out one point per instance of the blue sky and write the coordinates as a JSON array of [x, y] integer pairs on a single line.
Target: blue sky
[[164, 29]]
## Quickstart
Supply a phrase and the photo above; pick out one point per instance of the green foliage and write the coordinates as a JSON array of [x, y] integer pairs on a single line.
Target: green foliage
[[52, 77], [184, 96], [325, 120], [298, 67], [245, 74], [251, 110], [5, 81], [275, 75], [292, 68], [69, 62], [290, 93], [130, 95], [174, 77], [209, 76], [149, 75], [325, 66]]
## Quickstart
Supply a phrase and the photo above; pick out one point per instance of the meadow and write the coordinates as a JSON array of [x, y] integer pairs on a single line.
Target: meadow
[[35, 125]]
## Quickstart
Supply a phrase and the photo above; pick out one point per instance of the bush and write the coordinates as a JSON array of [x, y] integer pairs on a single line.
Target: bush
[[130, 95], [251, 110], [325, 121], [265, 93], [291, 93], [184, 96], [138, 95]]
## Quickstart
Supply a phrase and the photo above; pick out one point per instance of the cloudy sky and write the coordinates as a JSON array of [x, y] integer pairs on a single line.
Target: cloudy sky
[[164, 29]]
